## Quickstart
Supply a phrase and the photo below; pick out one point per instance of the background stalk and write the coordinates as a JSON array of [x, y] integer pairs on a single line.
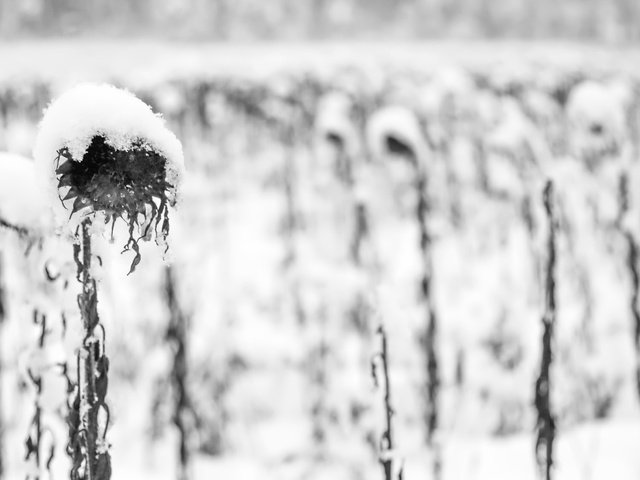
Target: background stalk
[[546, 423]]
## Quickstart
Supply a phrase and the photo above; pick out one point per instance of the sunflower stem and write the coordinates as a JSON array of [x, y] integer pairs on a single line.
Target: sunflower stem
[[92, 375], [177, 338], [546, 423]]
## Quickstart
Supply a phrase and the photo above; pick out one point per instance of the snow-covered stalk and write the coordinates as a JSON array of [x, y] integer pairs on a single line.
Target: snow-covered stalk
[[429, 336], [453, 184], [361, 231], [22, 212], [632, 266], [386, 453], [480, 159], [177, 339], [397, 131], [89, 448], [319, 376], [22, 231], [105, 157], [546, 425], [292, 216], [34, 441]]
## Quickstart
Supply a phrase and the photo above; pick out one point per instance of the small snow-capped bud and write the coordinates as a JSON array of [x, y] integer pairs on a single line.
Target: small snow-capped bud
[[596, 114], [396, 130], [334, 121]]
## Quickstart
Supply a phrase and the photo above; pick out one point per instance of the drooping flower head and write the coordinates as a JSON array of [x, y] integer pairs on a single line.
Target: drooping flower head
[[106, 155], [396, 130]]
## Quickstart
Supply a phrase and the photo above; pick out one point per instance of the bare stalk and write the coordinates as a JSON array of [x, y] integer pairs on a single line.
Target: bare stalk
[[34, 440], [319, 408], [88, 446], [177, 339], [546, 423], [291, 220], [632, 266], [386, 441], [428, 339]]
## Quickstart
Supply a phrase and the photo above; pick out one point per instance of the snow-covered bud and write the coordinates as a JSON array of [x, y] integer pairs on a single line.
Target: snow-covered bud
[[597, 121], [396, 130], [334, 122]]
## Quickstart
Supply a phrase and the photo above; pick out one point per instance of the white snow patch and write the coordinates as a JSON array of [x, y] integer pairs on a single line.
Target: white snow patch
[[22, 203]]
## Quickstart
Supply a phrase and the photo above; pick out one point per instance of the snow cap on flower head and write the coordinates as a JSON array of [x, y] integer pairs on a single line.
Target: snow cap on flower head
[[592, 102], [103, 151], [334, 119]]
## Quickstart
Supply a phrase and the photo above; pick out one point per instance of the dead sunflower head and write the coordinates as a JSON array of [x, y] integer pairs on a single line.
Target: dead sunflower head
[[128, 185], [114, 160]]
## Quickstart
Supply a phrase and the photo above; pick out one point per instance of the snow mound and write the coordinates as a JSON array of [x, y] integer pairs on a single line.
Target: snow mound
[[516, 135], [597, 120], [90, 110], [22, 203], [593, 103]]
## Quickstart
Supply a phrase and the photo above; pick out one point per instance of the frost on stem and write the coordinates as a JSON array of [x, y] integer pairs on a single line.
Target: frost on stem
[[546, 423], [88, 417]]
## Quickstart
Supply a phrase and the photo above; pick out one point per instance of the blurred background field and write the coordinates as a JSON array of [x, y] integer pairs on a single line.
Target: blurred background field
[[590, 20]]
